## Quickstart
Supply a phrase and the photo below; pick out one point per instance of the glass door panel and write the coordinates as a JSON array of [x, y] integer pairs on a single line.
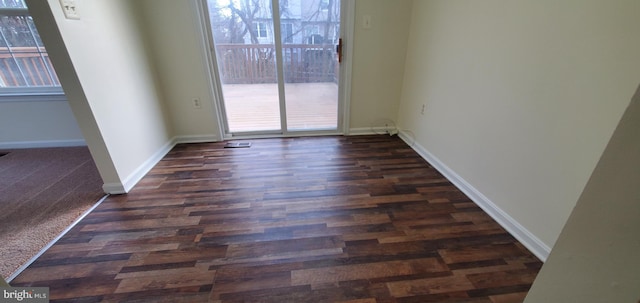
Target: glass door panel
[[310, 32], [244, 34], [244, 42]]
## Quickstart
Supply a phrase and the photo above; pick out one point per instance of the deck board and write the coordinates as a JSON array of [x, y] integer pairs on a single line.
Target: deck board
[[255, 107]]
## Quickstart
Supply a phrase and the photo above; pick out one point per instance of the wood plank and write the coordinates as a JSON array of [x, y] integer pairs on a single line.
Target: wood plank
[[449, 284], [364, 271], [324, 219]]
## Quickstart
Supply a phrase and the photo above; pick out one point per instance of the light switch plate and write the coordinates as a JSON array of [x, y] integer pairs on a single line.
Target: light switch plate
[[70, 9]]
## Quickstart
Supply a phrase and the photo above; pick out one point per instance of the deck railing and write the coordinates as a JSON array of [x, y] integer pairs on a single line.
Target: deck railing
[[238, 64], [26, 66], [255, 63]]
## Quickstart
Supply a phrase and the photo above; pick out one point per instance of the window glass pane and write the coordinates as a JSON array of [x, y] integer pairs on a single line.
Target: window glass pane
[[11, 74], [34, 32], [310, 66], [246, 63], [12, 4], [54, 77], [16, 31], [260, 29], [287, 33], [34, 69]]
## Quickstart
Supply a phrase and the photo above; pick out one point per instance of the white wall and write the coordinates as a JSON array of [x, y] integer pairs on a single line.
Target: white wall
[[102, 62], [27, 124], [521, 97], [378, 62], [110, 59], [171, 28], [596, 256]]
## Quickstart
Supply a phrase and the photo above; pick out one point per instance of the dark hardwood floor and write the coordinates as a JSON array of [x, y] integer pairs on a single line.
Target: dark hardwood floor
[[324, 219]]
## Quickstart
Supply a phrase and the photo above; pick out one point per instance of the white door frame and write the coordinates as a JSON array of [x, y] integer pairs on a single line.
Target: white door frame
[[347, 20]]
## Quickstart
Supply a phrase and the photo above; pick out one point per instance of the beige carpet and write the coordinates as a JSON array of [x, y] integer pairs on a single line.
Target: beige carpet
[[42, 191]]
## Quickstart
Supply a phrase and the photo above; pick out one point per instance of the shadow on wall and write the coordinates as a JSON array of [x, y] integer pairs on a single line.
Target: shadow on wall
[[596, 256]]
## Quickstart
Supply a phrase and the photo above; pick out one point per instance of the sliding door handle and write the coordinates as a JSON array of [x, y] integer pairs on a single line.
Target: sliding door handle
[[339, 50]]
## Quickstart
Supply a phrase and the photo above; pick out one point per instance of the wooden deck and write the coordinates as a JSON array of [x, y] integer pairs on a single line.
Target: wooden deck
[[254, 107]]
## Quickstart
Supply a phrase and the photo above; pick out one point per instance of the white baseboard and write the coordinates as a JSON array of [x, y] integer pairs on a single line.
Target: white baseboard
[[41, 144], [361, 131], [529, 240], [142, 170], [114, 188], [195, 139], [137, 175]]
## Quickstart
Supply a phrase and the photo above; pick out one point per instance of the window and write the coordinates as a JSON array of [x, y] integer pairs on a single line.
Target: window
[[25, 68], [313, 34], [260, 29], [312, 30], [324, 5], [287, 32]]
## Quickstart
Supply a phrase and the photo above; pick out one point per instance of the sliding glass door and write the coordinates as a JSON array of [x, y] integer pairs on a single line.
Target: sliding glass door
[[279, 73]]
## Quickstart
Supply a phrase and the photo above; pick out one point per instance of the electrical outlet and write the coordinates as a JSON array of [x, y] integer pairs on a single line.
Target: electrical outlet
[[70, 9], [196, 103], [422, 110]]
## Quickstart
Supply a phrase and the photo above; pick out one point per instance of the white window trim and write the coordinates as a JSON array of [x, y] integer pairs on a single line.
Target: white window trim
[[13, 11], [44, 95]]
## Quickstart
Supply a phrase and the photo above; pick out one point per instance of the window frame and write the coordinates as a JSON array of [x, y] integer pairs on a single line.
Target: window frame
[[260, 27]]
